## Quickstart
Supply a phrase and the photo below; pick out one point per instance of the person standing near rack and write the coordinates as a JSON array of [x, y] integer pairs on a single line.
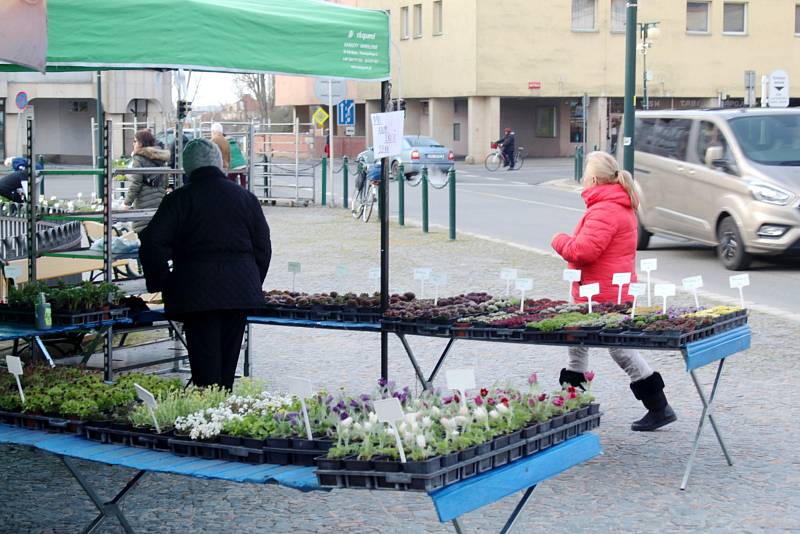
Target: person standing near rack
[[146, 190], [604, 243], [219, 139], [217, 269]]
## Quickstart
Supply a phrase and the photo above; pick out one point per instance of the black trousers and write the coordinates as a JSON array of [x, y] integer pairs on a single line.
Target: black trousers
[[215, 341], [509, 154]]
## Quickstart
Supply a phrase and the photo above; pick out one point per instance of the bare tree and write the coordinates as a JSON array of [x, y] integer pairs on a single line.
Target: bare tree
[[262, 88]]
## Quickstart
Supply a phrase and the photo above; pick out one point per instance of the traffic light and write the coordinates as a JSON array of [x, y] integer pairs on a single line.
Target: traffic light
[[184, 108]]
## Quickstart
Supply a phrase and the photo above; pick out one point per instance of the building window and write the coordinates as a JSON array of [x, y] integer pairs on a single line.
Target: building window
[[404, 23], [456, 131], [417, 20], [734, 18], [576, 121], [424, 107], [584, 15], [546, 121], [697, 17], [618, 16], [438, 24]]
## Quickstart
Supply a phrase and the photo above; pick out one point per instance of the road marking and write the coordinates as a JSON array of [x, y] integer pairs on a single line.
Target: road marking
[[493, 179], [525, 201], [519, 183]]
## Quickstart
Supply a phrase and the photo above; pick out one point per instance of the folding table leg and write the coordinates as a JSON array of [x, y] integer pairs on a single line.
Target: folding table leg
[[707, 408], [425, 384], [457, 526], [44, 350], [441, 359], [106, 508], [511, 519]]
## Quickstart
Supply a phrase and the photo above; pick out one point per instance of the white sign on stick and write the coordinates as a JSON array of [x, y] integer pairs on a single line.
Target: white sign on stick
[[588, 291], [636, 291], [387, 133], [149, 401], [14, 365], [522, 285], [664, 291], [461, 380], [619, 280], [738, 281], [422, 274], [438, 281], [649, 265], [509, 275], [572, 276], [302, 389], [294, 268], [693, 283], [390, 411], [778, 89]]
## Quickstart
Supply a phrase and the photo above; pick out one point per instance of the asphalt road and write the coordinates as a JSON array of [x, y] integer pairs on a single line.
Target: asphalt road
[[526, 207]]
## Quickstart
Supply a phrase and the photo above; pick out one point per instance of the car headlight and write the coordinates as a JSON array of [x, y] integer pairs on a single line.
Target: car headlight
[[770, 194]]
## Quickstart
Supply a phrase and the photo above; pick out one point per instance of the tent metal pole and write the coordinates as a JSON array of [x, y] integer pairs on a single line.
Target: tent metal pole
[[99, 164], [383, 208]]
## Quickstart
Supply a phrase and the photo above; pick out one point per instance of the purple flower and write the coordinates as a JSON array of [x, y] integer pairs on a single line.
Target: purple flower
[[382, 382], [354, 403], [589, 376], [533, 379], [343, 416], [364, 397]]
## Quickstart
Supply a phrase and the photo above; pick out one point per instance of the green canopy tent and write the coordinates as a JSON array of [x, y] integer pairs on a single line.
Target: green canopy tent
[[297, 37]]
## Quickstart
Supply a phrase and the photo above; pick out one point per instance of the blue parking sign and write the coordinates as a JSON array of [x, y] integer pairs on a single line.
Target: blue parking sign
[[346, 113]]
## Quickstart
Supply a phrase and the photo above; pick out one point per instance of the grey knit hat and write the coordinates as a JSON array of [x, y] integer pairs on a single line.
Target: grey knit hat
[[201, 153]]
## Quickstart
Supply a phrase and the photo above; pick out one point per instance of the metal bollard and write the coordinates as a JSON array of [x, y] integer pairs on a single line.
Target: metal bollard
[[401, 195], [344, 182], [578, 163], [452, 185], [425, 200], [324, 180]]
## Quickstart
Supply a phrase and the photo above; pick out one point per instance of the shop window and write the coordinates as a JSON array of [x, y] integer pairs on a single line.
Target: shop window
[[417, 21], [584, 15], [456, 131], [80, 106], [546, 121], [618, 14], [734, 18], [438, 23], [697, 17], [404, 23], [576, 121]]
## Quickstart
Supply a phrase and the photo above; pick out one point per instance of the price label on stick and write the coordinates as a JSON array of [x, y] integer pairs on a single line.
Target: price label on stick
[[302, 389], [636, 291], [294, 268], [438, 281], [422, 274], [693, 283], [14, 365], [522, 285], [588, 291], [738, 281], [509, 275], [664, 291], [572, 276], [461, 380], [390, 411], [649, 265], [150, 401], [619, 280]]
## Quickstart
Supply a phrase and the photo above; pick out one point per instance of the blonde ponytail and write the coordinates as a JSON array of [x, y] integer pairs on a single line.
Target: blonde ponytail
[[602, 168]]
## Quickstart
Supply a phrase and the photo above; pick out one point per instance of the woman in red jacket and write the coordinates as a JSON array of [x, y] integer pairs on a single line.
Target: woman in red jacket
[[604, 243]]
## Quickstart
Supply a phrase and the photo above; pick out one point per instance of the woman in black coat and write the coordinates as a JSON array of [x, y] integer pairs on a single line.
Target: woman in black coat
[[217, 238]]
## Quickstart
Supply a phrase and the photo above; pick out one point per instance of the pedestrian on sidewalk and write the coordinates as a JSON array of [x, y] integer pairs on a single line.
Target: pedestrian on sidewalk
[[146, 190], [217, 238], [604, 243]]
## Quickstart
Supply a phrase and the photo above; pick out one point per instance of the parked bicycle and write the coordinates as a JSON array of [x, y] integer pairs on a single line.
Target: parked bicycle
[[496, 158], [368, 180]]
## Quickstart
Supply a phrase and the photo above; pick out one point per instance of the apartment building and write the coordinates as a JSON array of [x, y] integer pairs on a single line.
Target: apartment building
[[468, 68], [63, 106]]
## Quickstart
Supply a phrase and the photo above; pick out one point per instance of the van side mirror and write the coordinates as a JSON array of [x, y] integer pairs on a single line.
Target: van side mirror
[[713, 153]]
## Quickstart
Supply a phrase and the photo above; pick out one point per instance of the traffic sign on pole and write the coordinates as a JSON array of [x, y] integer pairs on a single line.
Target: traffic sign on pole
[[346, 113], [326, 90], [778, 89]]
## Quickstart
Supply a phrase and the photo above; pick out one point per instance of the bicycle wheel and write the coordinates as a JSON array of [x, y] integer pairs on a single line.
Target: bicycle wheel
[[439, 179], [369, 201], [519, 160], [493, 161], [357, 204]]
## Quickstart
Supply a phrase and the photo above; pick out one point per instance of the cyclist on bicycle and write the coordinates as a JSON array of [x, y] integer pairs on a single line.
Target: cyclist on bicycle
[[507, 145]]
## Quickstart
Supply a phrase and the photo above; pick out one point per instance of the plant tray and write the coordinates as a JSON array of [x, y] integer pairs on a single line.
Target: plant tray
[[57, 425], [407, 478], [183, 446], [132, 437]]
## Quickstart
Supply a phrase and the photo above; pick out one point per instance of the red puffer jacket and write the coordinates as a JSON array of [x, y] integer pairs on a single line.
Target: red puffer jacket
[[604, 242]]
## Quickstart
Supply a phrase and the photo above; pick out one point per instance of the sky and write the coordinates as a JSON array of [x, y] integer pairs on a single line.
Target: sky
[[212, 88]]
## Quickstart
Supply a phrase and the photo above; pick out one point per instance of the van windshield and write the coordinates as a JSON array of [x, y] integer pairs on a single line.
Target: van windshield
[[769, 139]]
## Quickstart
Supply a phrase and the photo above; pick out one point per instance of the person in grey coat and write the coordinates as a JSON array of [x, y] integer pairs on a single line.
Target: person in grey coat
[[146, 190]]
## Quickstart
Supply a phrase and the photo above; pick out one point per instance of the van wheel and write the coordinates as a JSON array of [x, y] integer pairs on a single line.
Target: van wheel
[[730, 246], [643, 236]]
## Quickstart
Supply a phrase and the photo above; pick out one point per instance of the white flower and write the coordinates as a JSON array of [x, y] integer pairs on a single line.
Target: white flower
[[493, 414], [435, 411], [411, 417], [463, 410], [480, 413], [421, 442], [357, 426], [460, 420], [403, 428], [373, 417], [414, 426], [502, 408], [53, 198], [347, 423], [390, 431], [368, 426], [80, 195], [426, 422]]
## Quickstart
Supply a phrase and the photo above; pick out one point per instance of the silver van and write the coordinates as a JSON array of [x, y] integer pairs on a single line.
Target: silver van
[[728, 178]]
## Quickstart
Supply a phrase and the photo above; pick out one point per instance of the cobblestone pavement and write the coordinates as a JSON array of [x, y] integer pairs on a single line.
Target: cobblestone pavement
[[633, 487]]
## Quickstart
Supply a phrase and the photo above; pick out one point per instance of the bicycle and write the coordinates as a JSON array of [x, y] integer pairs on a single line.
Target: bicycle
[[365, 196], [496, 157]]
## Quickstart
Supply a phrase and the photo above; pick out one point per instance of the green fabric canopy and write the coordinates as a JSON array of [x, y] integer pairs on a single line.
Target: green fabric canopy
[[304, 37]]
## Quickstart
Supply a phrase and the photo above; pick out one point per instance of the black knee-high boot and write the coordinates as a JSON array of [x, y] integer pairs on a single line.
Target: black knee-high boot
[[650, 391]]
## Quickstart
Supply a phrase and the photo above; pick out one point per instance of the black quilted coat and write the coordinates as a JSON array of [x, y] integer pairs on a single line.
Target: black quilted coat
[[215, 233]]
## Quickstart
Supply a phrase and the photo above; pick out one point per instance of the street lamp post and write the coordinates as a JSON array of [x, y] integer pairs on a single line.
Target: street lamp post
[[647, 31]]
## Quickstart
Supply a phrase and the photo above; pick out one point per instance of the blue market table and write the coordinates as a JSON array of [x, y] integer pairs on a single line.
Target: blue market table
[[451, 502]]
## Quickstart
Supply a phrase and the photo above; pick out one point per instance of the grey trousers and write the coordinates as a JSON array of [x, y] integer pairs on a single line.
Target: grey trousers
[[629, 360]]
